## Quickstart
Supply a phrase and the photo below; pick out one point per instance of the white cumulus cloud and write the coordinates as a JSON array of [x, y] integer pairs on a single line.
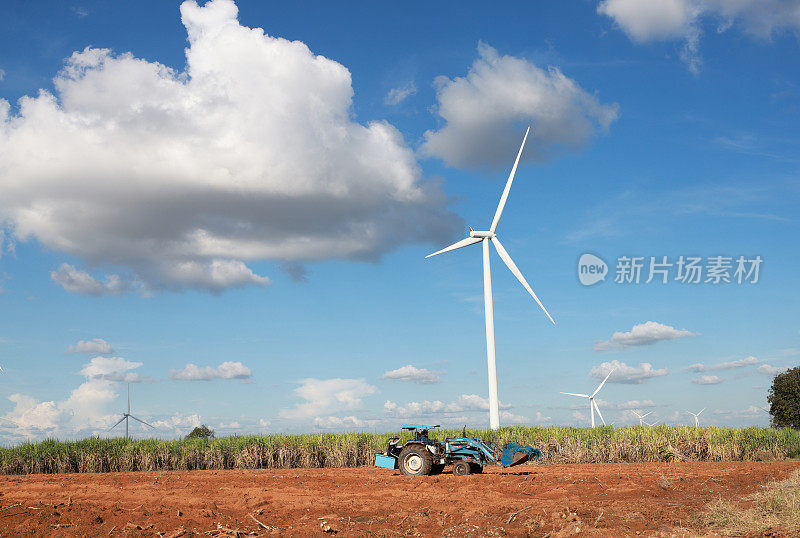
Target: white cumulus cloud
[[766, 369], [226, 370], [485, 113], [96, 345], [464, 403], [87, 409], [178, 423], [627, 374], [728, 365], [182, 179], [707, 380], [652, 20], [79, 281], [327, 396], [400, 94], [339, 423], [642, 334], [412, 374]]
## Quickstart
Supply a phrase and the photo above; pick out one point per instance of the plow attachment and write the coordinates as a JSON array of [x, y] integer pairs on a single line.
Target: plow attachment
[[514, 454]]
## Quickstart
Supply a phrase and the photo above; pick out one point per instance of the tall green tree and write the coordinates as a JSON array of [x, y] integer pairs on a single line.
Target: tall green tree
[[201, 432], [784, 399]]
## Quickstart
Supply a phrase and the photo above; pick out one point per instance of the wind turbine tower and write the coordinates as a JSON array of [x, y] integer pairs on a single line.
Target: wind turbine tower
[[696, 417], [127, 416], [592, 403], [485, 237], [641, 416]]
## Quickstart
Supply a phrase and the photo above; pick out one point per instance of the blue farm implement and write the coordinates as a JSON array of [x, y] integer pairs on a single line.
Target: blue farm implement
[[417, 454]]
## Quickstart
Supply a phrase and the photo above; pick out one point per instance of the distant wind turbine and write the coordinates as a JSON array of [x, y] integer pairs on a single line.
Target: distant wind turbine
[[592, 403], [653, 424], [485, 237], [126, 416], [641, 416], [696, 417]]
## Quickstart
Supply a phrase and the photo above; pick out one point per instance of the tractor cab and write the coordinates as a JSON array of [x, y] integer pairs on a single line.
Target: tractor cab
[[418, 433]]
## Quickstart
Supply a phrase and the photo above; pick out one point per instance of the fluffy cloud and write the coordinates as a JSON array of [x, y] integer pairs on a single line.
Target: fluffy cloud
[[337, 423], [78, 281], [412, 374], [642, 334], [729, 365], [464, 403], [226, 370], [766, 369], [486, 111], [707, 380], [648, 20], [635, 405], [97, 345], [652, 20], [181, 179], [326, 396], [86, 410], [542, 418], [398, 95], [112, 369], [627, 374], [179, 423]]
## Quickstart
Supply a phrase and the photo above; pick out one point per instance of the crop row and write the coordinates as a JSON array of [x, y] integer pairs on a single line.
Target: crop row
[[558, 445]]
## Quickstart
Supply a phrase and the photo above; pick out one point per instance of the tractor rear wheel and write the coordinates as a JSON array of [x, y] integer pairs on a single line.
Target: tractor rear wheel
[[415, 460], [461, 468]]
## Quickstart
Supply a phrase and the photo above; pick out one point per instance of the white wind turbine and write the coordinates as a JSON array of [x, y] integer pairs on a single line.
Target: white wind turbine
[[485, 237], [641, 416], [696, 417], [592, 403], [127, 416]]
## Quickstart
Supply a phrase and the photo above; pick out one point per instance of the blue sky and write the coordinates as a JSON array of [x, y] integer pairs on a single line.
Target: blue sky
[[240, 231]]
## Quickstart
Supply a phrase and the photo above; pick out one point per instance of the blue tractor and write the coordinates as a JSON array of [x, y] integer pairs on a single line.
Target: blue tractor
[[415, 453]]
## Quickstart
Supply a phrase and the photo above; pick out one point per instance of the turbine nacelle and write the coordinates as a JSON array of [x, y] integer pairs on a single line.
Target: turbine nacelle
[[481, 234]]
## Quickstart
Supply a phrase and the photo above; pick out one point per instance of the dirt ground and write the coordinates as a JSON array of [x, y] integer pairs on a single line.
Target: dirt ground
[[562, 500]]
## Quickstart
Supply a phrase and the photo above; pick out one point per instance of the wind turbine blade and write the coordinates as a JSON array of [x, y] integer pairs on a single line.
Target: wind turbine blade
[[513, 267], [701, 412], [598, 412], [646, 414], [117, 424], [463, 243], [504, 197], [637, 414], [573, 394], [143, 422], [603, 383], [129, 398]]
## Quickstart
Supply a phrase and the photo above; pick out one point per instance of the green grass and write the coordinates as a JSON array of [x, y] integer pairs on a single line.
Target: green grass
[[558, 445]]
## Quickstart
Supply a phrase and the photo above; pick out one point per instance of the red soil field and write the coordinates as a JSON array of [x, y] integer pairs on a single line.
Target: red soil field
[[651, 499]]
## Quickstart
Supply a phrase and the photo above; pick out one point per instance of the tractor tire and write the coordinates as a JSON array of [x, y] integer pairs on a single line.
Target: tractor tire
[[461, 468], [415, 460], [476, 468]]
